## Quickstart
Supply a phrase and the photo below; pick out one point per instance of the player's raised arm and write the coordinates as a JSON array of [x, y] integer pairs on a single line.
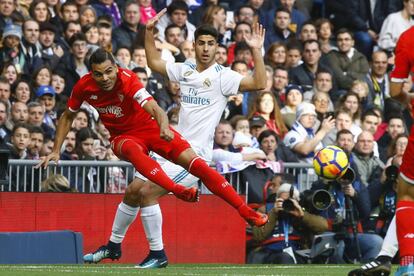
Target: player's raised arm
[[258, 80], [153, 55], [64, 125]]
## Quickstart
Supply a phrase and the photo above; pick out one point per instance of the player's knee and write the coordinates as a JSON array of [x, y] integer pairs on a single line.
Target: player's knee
[[133, 192]]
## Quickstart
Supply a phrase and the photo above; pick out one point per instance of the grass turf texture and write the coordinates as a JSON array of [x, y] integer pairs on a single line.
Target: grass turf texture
[[179, 269]]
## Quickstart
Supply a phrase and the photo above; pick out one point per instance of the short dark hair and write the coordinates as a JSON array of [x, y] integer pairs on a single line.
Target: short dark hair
[[68, 3], [237, 13], [242, 23], [310, 41], [369, 112], [344, 31], [241, 46], [139, 70], [20, 125], [283, 9], [171, 26], [36, 129], [66, 24], [177, 5], [238, 62], [77, 37], [206, 30], [100, 56], [343, 131], [266, 133]]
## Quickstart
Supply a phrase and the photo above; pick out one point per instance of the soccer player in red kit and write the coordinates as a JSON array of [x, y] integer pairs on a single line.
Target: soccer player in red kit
[[404, 68], [128, 112]]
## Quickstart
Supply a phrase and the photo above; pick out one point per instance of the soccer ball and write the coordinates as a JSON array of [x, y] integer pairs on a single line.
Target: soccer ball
[[330, 162]]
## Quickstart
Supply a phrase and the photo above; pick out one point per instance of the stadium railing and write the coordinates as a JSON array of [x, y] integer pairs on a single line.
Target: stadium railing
[[111, 176]]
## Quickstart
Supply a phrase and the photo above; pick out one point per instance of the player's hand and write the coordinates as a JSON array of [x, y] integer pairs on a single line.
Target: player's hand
[[166, 134], [257, 39], [153, 21], [44, 160]]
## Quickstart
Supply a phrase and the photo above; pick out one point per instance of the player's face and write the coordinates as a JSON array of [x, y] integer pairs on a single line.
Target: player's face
[[105, 75], [205, 49]]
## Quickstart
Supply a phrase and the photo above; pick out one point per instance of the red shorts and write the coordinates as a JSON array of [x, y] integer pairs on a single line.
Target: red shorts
[[407, 166], [150, 140]]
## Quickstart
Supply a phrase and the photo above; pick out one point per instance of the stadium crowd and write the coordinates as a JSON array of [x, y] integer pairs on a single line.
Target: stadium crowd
[[327, 67]]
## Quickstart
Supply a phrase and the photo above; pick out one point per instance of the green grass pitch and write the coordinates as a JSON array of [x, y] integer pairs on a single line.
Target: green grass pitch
[[178, 269]]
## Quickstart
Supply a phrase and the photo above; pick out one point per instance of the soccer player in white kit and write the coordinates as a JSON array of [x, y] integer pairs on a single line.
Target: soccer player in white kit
[[205, 86]]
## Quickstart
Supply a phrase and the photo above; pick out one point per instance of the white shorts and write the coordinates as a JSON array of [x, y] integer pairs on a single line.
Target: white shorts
[[177, 173]]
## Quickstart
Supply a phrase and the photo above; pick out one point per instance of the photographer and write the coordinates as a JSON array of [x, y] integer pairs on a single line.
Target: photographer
[[351, 205], [289, 229]]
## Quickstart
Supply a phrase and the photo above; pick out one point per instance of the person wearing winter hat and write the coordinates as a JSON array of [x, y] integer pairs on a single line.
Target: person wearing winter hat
[[293, 96], [301, 139], [47, 97], [9, 53]]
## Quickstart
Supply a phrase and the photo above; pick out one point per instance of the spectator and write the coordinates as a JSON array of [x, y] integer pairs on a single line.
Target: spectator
[[301, 139], [38, 11], [70, 28], [105, 36], [378, 80], [395, 127], [394, 25], [280, 81], [123, 56], [325, 30], [351, 102], [294, 96], [297, 223], [4, 131], [297, 17], [74, 66], [304, 74], [109, 8], [241, 31], [41, 76], [57, 183], [223, 137], [269, 78], [246, 13], [308, 32], [36, 116], [343, 120], [240, 124], [323, 108], [19, 113], [186, 47], [197, 14], [20, 139], [69, 147], [10, 73], [215, 15], [347, 63], [174, 37], [87, 15], [370, 121], [47, 97], [21, 91], [47, 146], [81, 120], [242, 52], [279, 31], [294, 55], [321, 84], [58, 81], [276, 55], [116, 180], [266, 106], [274, 150], [177, 13], [36, 143], [29, 47], [5, 92], [396, 149], [10, 51], [130, 29], [340, 222], [8, 13], [361, 89], [369, 167], [50, 52], [345, 140], [92, 35], [257, 124], [146, 10]]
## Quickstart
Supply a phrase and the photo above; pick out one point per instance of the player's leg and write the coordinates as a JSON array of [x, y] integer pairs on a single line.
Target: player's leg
[[218, 185], [382, 263], [129, 148], [405, 210]]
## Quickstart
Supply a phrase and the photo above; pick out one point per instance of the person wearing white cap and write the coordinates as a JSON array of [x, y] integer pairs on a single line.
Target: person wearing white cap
[[301, 138]]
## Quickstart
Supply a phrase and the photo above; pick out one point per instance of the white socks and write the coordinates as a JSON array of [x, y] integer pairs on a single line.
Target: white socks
[[390, 244], [151, 218], [125, 215]]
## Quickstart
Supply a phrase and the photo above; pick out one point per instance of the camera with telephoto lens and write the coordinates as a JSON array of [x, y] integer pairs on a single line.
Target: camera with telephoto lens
[[288, 204], [311, 201], [391, 175]]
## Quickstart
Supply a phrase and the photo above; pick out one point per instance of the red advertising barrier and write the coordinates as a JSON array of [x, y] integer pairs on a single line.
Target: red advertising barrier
[[206, 232]]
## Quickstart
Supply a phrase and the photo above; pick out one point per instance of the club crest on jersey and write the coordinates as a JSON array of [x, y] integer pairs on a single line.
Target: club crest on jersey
[[186, 74], [121, 97], [207, 83]]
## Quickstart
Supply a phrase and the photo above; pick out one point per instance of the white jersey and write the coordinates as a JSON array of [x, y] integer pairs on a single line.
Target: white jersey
[[203, 100]]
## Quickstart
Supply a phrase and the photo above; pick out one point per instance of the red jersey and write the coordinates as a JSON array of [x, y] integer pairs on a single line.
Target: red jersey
[[119, 109], [404, 57]]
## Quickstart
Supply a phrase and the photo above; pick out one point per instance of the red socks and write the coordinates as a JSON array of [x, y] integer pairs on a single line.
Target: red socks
[[216, 183], [147, 166], [405, 231]]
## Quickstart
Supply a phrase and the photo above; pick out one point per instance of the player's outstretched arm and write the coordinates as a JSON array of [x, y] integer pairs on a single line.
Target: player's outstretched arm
[[64, 125], [161, 117], [258, 80], [153, 56]]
